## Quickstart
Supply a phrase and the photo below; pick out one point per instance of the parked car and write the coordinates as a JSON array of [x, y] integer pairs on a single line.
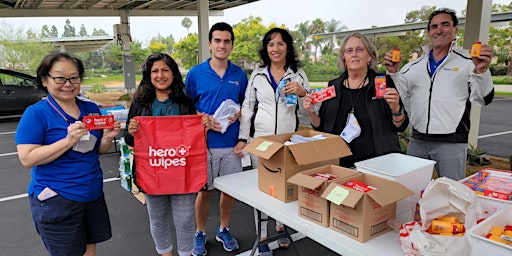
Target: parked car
[[18, 91]]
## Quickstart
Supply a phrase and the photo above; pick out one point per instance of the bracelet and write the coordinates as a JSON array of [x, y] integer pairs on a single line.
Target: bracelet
[[399, 121], [242, 140], [399, 113]]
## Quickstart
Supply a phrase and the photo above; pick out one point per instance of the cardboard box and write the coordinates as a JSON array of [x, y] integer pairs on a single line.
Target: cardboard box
[[363, 216], [483, 246], [413, 172], [278, 162], [311, 206]]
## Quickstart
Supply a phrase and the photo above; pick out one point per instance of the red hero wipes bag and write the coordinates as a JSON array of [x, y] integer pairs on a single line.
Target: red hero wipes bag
[[170, 154]]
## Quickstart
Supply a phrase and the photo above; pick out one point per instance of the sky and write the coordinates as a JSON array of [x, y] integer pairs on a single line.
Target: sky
[[353, 14]]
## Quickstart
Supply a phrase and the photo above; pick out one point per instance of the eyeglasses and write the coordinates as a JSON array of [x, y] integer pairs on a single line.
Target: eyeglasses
[[62, 80], [352, 50]]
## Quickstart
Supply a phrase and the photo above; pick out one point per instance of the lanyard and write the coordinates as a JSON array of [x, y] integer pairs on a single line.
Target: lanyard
[[353, 102], [57, 110]]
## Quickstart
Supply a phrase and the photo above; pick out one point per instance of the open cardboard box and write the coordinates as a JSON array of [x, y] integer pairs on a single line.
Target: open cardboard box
[[311, 206], [363, 216], [278, 162]]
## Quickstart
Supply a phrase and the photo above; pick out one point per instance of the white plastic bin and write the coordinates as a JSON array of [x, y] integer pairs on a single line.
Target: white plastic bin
[[483, 246], [413, 172], [489, 204], [121, 115]]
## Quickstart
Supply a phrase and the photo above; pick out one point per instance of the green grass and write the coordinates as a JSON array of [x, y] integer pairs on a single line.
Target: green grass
[[502, 79], [503, 93], [111, 78]]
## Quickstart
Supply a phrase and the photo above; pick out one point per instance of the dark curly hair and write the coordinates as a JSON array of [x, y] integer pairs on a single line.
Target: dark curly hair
[[292, 60], [49, 60], [146, 90], [448, 11]]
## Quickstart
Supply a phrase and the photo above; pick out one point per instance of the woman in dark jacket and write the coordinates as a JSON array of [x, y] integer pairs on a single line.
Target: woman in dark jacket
[[161, 93], [369, 124]]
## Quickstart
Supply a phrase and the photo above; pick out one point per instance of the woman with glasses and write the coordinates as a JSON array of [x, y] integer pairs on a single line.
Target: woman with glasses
[[367, 121], [66, 191]]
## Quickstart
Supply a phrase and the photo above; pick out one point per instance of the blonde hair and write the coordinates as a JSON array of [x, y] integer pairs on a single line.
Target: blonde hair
[[367, 44]]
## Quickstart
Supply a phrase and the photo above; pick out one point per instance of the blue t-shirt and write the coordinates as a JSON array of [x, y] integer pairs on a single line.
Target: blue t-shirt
[[74, 175], [208, 91]]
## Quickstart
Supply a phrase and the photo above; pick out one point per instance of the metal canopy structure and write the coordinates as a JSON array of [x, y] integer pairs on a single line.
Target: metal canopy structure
[[79, 44], [496, 19], [105, 8], [123, 9]]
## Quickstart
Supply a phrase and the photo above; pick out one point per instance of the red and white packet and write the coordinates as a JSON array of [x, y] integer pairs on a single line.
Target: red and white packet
[[98, 122], [323, 94]]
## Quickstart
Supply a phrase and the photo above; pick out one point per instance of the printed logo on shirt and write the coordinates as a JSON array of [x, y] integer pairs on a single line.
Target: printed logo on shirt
[[455, 69], [234, 82]]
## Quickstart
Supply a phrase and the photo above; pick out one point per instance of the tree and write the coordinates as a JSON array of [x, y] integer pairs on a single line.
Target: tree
[[187, 23], [248, 36], [69, 31], [168, 41], [19, 52], [54, 33], [185, 50], [31, 34], [155, 47], [83, 31], [99, 32], [330, 27], [45, 32], [302, 40], [500, 38], [317, 27], [114, 58]]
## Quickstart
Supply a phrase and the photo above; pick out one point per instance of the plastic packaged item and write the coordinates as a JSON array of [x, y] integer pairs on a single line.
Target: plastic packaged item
[[395, 55], [475, 49], [380, 86], [439, 226], [290, 99], [451, 219]]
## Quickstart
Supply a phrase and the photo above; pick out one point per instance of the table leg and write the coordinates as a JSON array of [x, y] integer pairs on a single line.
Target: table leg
[[257, 242]]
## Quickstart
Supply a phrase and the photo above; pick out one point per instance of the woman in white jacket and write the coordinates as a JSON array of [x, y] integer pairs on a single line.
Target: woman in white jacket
[[268, 109]]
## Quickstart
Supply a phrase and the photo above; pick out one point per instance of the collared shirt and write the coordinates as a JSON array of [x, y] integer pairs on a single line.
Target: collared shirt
[[433, 64]]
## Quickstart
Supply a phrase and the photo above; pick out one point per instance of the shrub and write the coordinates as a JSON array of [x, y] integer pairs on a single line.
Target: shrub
[[502, 79], [98, 88], [475, 156], [125, 97], [498, 70]]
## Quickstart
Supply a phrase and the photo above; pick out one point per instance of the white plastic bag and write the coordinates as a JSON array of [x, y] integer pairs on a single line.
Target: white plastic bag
[[226, 110], [444, 196]]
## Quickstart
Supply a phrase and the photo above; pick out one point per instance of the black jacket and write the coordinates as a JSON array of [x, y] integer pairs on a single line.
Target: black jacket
[[384, 132], [137, 108]]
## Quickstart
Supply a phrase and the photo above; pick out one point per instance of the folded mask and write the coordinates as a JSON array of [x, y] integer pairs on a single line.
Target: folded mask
[[352, 129]]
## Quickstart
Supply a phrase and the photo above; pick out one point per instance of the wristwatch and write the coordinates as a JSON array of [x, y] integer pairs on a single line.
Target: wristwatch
[[399, 113]]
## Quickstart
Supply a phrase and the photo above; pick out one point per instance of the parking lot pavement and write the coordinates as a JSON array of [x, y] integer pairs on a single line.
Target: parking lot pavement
[[129, 220]]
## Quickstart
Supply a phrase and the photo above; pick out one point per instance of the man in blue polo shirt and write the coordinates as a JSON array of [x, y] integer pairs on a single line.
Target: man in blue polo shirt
[[209, 84]]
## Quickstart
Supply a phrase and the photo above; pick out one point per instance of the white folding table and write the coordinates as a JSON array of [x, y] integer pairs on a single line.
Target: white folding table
[[244, 187]]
